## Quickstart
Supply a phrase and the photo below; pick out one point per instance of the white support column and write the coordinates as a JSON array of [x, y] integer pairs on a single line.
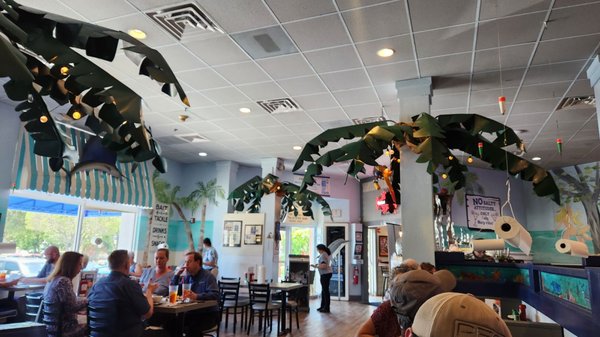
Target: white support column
[[270, 205], [9, 134], [593, 74], [416, 194], [226, 173]]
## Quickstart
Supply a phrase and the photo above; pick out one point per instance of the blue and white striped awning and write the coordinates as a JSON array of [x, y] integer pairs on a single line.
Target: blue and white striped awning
[[32, 172]]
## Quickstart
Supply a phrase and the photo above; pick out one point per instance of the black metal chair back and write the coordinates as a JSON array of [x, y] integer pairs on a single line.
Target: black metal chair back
[[229, 291], [52, 318], [260, 293], [102, 320], [33, 307]]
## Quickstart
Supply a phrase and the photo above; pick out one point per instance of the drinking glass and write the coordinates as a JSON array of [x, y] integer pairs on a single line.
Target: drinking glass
[[3, 275], [173, 294], [187, 289]]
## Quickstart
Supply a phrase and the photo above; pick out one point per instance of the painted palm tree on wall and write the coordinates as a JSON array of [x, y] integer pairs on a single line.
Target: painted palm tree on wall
[[169, 195], [202, 196]]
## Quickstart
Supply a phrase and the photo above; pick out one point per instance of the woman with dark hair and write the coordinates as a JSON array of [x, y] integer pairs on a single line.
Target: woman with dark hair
[[210, 258], [324, 266], [59, 289]]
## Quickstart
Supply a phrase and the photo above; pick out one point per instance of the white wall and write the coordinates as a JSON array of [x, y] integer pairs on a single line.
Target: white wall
[[9, 132]]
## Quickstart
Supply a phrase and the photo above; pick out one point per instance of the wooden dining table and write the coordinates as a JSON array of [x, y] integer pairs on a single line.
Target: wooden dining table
[[23, 287], [179, 310]]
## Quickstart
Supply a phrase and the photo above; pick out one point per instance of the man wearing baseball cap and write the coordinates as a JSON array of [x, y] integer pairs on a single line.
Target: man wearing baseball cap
[[456, 315], [408, 292]]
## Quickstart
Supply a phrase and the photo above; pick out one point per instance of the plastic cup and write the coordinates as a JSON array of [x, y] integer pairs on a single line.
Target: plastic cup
[[173, 294], [187, 290], [3, 275]]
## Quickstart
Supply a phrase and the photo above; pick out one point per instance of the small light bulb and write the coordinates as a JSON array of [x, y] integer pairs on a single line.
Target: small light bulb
[[385, 52], [398, 160], [444, 175], [450, 157], [76, 115], [64, 70], [470, 160], [43, 118]]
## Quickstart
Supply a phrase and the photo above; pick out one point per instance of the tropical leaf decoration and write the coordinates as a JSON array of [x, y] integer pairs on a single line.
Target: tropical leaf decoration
[[247, 197], [433, 138], [37, 52]]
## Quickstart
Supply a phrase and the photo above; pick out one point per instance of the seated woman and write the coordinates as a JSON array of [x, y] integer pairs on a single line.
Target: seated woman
[[60, 289], [161, 274]]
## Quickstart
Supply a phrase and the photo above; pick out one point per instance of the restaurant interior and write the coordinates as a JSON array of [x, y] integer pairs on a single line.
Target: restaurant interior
[[386, 130]]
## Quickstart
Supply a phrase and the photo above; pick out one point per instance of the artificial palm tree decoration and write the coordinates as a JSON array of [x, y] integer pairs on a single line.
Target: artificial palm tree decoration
[[202, 196], [433, 138], [169, 195], [248, 196]]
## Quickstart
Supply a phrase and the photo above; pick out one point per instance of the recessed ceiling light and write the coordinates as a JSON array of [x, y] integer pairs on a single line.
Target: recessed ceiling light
[[536, 158], [138, 34], [297, 148], [245, 110], [203, 154], [385, 52]]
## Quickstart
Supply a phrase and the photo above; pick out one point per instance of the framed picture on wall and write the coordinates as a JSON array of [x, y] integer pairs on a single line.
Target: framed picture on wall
[[358, 236], [358, 248], [232, 233], [253, 235], [383, 246]]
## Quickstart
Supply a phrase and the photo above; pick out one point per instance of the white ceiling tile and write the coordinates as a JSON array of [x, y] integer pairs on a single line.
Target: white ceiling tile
[[356, 96], [53, 6], [444, 41], [491, 80], [318, 101], [255, 109], [344, 80], [201, 126], [179, 58], [231, 124], [262, 91], [449, 101], [261, 121], [209, 113], [159, 104], [308, 34], [288, 10], [154, 37], [225, 95], [333, 59], [293, 118], [402, 46], [307, 128], [152, 4], [553, 72], [498, 8], [330, 114], [217, 51], [575, 48], [349, 4], [277, 130], [431, 14], [581, 88], [242, 73], [156, 119], [104, 10], [552, 90], [376, 22], [443, 85], [286, 66], [446, 65], [234, 16], [198, 100], [573, 21], [302, 85], [542, 105], [487, 97], [202, 79], [363, 111], [387, 92], [390, 73], [510, 57], [509, 31]]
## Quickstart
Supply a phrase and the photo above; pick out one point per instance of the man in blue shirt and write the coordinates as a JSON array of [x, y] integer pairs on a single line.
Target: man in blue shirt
[[51, 254], [204, 287], [128, 305]]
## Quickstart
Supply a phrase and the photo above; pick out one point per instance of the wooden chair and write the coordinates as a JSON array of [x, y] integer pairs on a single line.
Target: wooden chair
[[260, 302], [229, 291], [52, 318]]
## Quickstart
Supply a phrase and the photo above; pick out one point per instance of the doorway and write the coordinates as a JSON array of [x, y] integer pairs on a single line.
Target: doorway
[[378, 260]]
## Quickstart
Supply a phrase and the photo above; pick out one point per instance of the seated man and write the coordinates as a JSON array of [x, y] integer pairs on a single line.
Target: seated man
[[51, 254], [124, 296], [456, 315], [204, 287], [161, 274]]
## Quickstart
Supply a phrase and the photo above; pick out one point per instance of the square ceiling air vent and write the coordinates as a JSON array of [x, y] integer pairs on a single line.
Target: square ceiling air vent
[[192, 138], [185, 20], [280, 105], [265, 42], [367, 120], [577, 102]]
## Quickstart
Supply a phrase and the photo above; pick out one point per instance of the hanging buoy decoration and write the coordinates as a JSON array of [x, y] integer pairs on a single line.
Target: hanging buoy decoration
[[480, 148], [559, 145], [502, 104]]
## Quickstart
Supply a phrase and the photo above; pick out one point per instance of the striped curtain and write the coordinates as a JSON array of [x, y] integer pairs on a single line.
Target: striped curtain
[[33, 172]]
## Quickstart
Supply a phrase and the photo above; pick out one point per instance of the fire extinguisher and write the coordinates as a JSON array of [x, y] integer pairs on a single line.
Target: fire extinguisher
[[355, 275]]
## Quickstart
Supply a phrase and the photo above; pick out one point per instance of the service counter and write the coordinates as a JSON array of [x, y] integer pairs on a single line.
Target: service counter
[[568, 295]]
